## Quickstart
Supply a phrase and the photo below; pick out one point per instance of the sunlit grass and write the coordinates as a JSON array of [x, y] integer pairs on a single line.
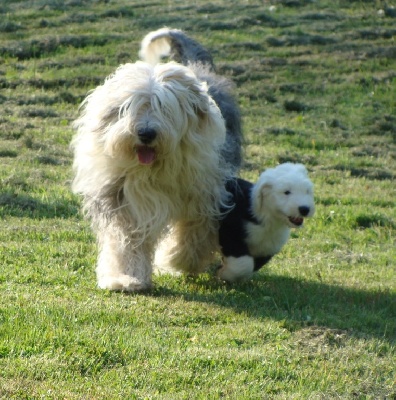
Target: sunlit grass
[[315, 85]]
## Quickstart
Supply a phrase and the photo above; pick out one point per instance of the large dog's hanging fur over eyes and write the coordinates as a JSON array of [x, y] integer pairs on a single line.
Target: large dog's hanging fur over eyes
[[154, 146]]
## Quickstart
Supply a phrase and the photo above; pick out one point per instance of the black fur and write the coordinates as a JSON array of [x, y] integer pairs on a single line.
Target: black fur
[[232, 231]]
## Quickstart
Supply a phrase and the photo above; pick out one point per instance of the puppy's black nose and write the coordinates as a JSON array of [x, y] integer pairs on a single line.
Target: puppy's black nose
[[146, 135], [304, 210]]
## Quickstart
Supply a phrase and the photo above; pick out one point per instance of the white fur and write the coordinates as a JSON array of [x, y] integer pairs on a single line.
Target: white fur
[[236, 268], [267, 240], [131, 204], [155, 45], [277, 195]]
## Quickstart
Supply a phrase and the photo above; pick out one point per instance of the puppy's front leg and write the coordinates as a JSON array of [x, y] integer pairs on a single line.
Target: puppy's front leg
[[236, 268]]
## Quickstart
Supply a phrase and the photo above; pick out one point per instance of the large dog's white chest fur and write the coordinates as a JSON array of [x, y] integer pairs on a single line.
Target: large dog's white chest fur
[[264, 240]]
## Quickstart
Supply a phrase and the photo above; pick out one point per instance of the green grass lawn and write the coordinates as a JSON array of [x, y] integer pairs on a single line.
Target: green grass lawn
[[316, 84]]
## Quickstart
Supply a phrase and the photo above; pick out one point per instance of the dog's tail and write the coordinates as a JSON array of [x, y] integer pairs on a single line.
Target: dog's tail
[[176, 45]]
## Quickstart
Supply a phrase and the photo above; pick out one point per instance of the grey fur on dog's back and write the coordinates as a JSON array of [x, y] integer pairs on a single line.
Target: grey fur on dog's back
[[181, 48]]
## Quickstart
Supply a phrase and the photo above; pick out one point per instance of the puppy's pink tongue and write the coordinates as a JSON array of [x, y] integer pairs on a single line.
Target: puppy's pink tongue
[[298, 221], [146, 154]]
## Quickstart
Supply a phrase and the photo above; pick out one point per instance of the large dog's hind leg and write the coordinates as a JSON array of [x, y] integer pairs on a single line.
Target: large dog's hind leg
[[188, 248]]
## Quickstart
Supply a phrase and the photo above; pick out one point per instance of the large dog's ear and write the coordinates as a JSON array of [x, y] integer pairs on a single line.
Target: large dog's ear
[[204, 117], [183, 83]]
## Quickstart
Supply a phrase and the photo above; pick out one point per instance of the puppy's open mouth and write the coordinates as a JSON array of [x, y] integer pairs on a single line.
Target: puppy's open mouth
[[297, 221], [146, 154]]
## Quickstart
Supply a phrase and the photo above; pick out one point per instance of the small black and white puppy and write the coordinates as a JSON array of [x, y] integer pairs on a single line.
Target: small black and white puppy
[[262, 215]]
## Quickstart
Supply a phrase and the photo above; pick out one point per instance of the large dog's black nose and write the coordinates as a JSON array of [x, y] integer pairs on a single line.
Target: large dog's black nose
[[304, 210], [146, 135]]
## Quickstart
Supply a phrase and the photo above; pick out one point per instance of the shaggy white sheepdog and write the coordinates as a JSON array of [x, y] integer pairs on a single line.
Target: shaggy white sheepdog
[[263, 214], [154, 147]]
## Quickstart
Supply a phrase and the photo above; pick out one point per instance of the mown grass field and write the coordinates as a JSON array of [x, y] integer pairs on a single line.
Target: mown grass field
[[316, 84]]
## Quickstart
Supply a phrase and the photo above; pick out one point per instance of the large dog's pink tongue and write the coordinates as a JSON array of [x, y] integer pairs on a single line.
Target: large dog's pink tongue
[[145, 154]]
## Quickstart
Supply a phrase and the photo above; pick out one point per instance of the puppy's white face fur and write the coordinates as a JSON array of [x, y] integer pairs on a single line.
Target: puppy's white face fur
[[284, 193]]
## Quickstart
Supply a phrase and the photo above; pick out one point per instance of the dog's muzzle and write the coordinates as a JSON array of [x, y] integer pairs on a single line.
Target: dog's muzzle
[[298, 221], [146, 154], [146, 135], [304, 210]]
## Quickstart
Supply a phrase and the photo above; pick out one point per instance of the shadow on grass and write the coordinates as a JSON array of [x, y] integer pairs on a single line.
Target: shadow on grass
[[299, 303], [23, 206]]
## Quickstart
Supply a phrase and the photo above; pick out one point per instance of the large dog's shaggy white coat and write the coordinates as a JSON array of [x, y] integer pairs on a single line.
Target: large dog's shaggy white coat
[[259, 224], [148, 155]]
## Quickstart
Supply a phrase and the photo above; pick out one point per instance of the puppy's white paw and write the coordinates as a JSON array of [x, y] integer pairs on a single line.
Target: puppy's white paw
[[236, 268]]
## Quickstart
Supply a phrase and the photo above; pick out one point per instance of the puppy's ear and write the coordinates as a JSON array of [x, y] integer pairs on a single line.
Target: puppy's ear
[[260, 196]]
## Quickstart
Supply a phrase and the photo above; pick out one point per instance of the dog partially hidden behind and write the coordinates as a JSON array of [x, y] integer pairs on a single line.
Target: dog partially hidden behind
[[155, 145], [263, 214]]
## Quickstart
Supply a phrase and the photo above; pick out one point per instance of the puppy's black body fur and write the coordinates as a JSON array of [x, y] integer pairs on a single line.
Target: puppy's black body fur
[[232, 232]]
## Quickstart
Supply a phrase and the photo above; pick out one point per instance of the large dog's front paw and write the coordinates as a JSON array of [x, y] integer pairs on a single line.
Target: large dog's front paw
[[236, 268], [123, 283]]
